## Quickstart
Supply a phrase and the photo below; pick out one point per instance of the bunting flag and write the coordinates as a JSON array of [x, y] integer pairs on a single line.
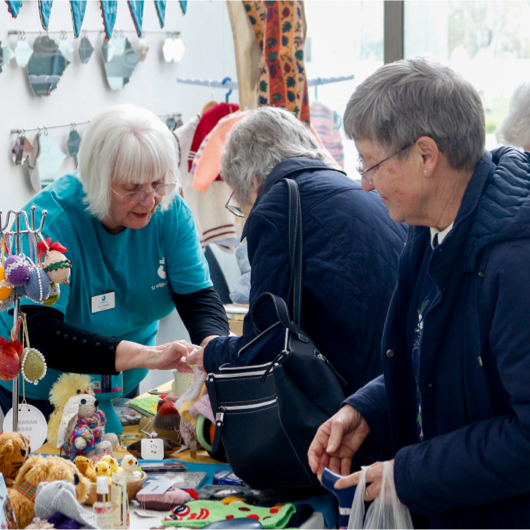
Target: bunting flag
[[136, 8], [78, 8], [109, 9], [13, 7], [183, 6], [161, 11], [45, 7]]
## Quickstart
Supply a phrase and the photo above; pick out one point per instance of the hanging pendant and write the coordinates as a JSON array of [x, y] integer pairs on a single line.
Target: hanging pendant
[[6, 54], [73, 143], [66, 49], [109, 10], [85, 50], [9, 359], [161, 11], [23, 52], [33, 365], [46, 66], [45, 7], [136, 7]]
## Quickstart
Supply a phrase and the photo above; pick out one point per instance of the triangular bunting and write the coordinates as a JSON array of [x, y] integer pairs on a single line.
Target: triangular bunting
[[109, 10], [78, 8], [45, 7], [137, 13], [183, 6], [161, 11], [13, 7]]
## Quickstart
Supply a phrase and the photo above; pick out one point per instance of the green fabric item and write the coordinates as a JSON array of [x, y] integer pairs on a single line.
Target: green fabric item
[[197, 514], [145, 406]]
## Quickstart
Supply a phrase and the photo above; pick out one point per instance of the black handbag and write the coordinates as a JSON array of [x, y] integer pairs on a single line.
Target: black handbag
[[270, 401]]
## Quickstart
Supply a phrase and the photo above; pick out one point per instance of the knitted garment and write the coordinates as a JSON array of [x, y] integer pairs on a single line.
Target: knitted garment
[[213, 221], [282, 82], [323, 119], [197, 514], [192, 395], [60, 496], [91, 429], [203, 407]]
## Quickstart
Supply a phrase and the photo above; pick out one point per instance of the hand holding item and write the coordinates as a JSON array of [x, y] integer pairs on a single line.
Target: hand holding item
[[163, 357], [374, 477], [196, 357], [337, 440]]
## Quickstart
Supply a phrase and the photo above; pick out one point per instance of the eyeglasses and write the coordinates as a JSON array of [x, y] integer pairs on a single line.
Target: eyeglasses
[[236, 210], [135, 197], [364, 172]]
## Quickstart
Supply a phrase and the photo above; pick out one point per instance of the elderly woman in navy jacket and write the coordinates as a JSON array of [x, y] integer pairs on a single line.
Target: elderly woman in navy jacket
[[351, 246], [453, 406]]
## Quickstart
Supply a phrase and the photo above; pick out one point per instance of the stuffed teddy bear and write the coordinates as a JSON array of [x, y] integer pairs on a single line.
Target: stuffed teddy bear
[[86, 467], [63, 389], [14, 451], [39, 469], [82, 428]]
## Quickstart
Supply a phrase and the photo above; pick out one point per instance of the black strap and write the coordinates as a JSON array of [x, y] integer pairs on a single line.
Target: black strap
[[295, 262], [295, 250]]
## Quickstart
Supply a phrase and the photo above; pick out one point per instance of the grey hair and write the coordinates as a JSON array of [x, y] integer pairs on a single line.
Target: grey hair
[[407, 99], [125, 143], [514, 129], [259, 142]]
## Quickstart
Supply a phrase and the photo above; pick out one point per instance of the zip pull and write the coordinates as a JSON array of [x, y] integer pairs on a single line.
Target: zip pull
[[220, 416]]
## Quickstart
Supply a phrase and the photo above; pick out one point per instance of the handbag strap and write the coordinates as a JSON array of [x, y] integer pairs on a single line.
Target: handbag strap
[[295, 263], [294, 297]]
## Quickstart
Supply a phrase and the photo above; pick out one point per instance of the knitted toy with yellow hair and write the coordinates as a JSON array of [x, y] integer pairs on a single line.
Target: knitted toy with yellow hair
[[63, 389]]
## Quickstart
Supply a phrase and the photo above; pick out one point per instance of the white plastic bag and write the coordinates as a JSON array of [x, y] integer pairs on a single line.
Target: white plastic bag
[[385, 512]]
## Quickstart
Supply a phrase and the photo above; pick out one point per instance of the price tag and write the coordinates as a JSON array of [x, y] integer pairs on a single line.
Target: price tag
[[152, 449], [31, 423]]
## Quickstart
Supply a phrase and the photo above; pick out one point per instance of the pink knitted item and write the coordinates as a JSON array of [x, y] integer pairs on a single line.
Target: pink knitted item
[[203, 407]]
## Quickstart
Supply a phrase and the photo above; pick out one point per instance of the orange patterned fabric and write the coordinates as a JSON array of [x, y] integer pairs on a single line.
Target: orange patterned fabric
[[279, 30]]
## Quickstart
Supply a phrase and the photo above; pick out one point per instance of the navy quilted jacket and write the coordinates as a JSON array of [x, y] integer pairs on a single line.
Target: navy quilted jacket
[[351, 250], [473, 469]]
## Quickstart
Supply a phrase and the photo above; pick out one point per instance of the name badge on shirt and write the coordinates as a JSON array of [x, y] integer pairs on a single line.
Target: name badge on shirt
[[103, 302]]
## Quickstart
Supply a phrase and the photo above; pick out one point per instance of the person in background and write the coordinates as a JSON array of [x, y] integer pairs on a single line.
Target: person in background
[[351, 246], [452, 408], [131, 238], [514, 129]]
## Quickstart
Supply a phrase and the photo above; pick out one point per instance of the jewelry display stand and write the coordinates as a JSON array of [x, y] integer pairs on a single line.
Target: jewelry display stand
[[16, 233]]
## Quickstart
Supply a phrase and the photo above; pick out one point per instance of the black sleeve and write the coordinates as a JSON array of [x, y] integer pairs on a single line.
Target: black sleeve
[[203, 314], [67, 348]]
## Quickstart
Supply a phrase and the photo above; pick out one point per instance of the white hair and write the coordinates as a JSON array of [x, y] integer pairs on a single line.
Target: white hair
[[514, 129], [125, 143], [259, 142]]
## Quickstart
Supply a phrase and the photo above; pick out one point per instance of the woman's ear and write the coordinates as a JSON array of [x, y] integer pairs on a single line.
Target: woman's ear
[[429, 152]]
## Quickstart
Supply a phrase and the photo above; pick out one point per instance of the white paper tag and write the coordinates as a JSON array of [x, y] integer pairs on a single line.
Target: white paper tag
[[156, 487], [103, 302], [31, 423], [152, 449]]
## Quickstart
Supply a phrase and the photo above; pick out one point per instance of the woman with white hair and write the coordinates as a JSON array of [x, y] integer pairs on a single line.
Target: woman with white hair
[[452, 409], [350, 245], [514, 129], [135, 256]]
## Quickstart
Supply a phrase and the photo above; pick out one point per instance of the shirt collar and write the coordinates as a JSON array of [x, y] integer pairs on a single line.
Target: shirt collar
[[441, 234]]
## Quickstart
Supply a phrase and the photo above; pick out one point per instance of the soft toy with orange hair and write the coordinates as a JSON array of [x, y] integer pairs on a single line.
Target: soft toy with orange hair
[[40, 469]]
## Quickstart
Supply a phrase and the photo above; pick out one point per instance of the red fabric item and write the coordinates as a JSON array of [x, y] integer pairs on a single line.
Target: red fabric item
[[47, 244], [208, 121]]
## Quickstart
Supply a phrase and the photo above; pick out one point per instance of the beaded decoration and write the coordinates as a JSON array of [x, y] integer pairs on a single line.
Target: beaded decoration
[[33, 365]]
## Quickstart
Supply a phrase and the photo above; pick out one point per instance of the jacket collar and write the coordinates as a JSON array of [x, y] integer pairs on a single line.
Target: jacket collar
[[288, 168]]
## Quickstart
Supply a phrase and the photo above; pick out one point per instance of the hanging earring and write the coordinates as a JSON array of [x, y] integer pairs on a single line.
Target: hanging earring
[[23, 50], [65, 48], [85, 48]]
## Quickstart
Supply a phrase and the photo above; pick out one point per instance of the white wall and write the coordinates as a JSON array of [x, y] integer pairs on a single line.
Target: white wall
[[83, 90]]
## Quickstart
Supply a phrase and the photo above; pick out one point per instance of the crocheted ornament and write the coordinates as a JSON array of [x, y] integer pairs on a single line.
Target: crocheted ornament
[[55, 293], [167, 420], [8, 302], [16, 270], [9, 358], [5, 287], [33, 365], [38, 286], [57, 267]]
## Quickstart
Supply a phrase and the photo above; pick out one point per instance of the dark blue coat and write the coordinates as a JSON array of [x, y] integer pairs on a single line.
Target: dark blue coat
[[473, 469], [351, 250]]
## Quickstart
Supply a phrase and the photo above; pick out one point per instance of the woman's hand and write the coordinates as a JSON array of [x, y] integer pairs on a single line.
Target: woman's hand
[[164, 357], [196, 357], [374, 477], [337, 440]]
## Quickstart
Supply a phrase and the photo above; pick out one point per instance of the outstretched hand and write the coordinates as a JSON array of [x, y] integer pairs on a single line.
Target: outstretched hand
[[337, 440]]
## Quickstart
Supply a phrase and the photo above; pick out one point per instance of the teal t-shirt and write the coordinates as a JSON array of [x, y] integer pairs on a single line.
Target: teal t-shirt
[[143, 268]]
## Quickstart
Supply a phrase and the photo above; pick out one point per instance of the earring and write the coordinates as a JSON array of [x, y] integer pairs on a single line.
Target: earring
[[425, 172]]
